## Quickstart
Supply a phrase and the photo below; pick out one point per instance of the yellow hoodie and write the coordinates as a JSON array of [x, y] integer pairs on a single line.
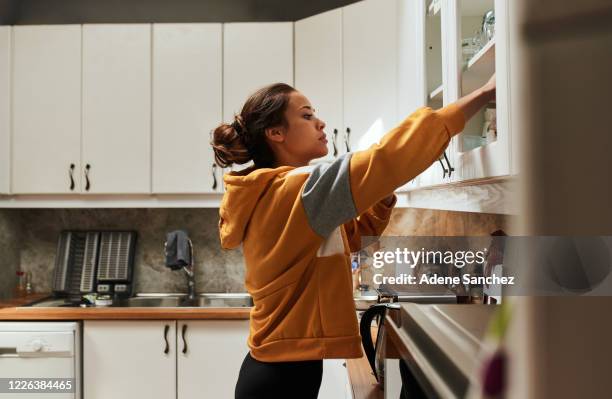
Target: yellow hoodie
[[298, 225]]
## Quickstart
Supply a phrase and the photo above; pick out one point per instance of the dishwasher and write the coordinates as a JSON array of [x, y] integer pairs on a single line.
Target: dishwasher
[[40, 360]]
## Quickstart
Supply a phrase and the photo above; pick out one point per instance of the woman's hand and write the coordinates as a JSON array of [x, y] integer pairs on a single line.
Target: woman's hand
[[490, 88], [475, 101], [387, 201]]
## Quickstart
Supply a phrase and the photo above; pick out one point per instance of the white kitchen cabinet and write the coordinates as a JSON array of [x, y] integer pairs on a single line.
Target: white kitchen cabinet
[[475, 157], [187, 106], [335, 383], [370, 57], [432, 58], [5, 108], [210, 353], [254, 55], [46, 114], [318, 72], [117, 108], [129, 359], [470, 156]]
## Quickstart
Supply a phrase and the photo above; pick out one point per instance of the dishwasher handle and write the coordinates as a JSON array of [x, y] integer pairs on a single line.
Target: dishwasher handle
[[8, 351], [36, 344]]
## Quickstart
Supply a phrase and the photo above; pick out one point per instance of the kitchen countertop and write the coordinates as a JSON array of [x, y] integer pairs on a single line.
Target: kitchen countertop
[[440, 344], [12, 309], [19, 301]]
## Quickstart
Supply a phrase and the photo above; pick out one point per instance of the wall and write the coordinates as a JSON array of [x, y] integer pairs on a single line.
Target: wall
[[9, 251], [16, 12], [217, 270]]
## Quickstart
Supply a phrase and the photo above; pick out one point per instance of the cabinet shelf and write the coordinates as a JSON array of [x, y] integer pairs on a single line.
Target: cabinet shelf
[[437, 94], [480, 68]]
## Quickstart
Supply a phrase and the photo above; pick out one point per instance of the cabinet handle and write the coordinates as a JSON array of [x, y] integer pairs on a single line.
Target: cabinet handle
[[184, 329], [346, 139], [450, 167], [166, 328], [70, 173], [214, 175], [87, 167], [443, 167], [334, 142]]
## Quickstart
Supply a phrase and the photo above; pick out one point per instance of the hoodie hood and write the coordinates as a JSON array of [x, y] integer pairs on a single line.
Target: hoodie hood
[[243, 191]]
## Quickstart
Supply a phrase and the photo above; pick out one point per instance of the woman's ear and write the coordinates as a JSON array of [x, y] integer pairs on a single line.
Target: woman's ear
[[276, 134]]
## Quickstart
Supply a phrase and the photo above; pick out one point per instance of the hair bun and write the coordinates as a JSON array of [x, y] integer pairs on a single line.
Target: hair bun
[[229, 145]]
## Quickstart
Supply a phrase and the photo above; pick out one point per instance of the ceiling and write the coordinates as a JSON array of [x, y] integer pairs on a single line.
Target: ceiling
[[28, 12]]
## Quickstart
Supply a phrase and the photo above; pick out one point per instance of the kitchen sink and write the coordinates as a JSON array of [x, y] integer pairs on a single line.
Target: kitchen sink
[[220, 301], [149, 301], [217, 300]]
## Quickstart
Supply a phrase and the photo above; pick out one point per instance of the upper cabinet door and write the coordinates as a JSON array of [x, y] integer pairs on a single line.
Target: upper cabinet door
[[46, 109], [370, 71], [318, 71], [482, 150], [5, 108], [187, 93], [117, 108], [254, 55]]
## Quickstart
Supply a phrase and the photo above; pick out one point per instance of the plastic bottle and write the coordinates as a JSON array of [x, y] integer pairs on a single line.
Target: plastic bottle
[[28, 283], [20, 288]]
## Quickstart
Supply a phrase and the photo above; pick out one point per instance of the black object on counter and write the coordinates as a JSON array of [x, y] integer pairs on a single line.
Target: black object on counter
[[177, 249]]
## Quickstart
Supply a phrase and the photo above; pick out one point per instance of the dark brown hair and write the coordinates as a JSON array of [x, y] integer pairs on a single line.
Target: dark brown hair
[[244, 139]]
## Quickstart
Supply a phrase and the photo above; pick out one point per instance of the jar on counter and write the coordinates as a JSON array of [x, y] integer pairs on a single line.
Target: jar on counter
[[20, 288]]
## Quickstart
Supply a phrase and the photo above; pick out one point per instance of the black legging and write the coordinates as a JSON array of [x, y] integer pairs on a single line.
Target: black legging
[[270, 380]]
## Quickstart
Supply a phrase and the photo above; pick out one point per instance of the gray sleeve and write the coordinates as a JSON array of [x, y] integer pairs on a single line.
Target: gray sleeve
[[327, 196]]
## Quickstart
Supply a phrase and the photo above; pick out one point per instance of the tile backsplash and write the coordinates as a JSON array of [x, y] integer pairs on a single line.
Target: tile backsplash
[[28, 240], [9, 251]]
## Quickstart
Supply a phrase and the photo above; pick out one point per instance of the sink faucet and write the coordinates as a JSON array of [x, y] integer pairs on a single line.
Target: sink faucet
[[190, 274]]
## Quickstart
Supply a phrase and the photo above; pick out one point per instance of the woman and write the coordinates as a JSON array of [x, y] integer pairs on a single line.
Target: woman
[[298, 224]]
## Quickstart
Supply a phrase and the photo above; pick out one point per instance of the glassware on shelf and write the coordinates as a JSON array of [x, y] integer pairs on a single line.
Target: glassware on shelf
[[489, 129], [434, 6], [471, 141], [472, 45], [469, 48], [488, 26]]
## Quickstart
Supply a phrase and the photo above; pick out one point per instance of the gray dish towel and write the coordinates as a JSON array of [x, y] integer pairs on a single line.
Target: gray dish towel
[[178, 251]]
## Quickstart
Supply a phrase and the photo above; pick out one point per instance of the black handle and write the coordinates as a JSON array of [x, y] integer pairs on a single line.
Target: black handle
[[347, 139], [166, 328], [450, 167], [366, 334], [70, 173], [214, 174], [87, 167], [334, 142], [184, 329], [443, 167]]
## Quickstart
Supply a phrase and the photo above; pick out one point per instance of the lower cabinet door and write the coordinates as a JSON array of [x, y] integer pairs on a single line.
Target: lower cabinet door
[[129, 359], [335, 383], [210, 353]]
